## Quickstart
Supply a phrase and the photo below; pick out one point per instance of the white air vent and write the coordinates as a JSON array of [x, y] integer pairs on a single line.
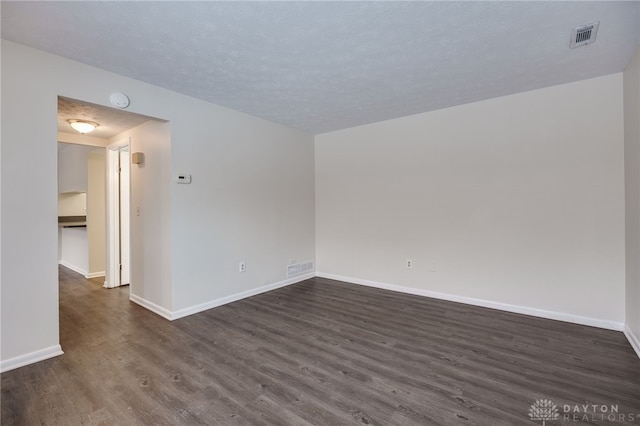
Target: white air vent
[[584, 35], [299, 268]]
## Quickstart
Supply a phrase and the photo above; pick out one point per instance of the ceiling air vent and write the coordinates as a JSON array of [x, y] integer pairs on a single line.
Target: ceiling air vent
[[584, 35]]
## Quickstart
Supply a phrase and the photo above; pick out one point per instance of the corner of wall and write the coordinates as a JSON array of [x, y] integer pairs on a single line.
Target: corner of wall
[[30, 358], [631, 89], [634, 339]]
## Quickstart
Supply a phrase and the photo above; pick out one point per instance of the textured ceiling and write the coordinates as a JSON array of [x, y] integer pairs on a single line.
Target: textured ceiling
[[110, 121], [322, 66]]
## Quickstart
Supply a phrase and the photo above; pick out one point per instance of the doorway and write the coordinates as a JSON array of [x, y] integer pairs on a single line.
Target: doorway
[[110, 134], [130, 190], [81, 208], [119, 214]]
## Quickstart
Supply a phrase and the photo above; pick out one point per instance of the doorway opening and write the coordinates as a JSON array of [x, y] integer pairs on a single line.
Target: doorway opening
[[102, 222], [119, 214], [81, 208]]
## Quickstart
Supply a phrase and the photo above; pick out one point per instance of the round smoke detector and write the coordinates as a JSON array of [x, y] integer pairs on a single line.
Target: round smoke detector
[[119, 100]]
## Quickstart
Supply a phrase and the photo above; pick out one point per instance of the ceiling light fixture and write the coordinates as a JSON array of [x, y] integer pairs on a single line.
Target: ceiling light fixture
[[83, 126]]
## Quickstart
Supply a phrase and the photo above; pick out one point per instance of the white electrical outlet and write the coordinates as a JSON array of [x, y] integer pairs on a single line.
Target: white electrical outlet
[[242, 267], [409, 264]]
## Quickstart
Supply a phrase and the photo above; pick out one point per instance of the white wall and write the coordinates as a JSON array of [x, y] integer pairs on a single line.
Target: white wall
[[72, 167], [150, 232], [517, 200], [74, 249], [632, 195], [251, 199], [252, 196], [96, 211], [29, 226]]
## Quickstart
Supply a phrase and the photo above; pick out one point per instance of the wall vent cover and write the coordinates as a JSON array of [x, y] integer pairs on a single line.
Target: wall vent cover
[[299, 268], [586, 34]]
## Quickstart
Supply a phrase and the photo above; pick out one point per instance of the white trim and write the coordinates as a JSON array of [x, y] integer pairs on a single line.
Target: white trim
[[559, 316], [30, 358], [94, 274], [74, 268], [107, 285], [163, 312], [633, 339], [112, 278], [238, 296]]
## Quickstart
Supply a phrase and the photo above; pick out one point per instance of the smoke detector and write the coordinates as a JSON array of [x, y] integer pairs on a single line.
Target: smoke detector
[[586, 34]]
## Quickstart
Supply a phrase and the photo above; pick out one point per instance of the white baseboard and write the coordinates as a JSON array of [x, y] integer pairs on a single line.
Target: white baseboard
[[633, 339], [74, 268], [238, 296], [163, 312], [559, 316], [107, 285], [30, 358], [94, 274], [81, 271]]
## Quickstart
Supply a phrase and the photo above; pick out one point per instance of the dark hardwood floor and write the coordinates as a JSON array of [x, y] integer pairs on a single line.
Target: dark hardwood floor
[[320, 352]]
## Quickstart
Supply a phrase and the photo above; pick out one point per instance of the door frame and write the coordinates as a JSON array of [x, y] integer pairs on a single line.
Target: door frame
[[112, 275]]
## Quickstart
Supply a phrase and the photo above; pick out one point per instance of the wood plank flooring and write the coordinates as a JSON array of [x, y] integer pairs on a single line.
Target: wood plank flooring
[[320, 352]]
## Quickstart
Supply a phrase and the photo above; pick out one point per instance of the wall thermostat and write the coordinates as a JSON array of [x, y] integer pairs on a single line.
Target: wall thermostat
[[183, 179], [119, 100]]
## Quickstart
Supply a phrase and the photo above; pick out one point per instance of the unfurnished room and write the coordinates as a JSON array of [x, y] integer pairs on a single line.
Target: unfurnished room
[[320, 213]]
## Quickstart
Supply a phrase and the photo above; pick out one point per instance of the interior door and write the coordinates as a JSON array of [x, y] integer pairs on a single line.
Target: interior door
[[125, 173], [118, 200]]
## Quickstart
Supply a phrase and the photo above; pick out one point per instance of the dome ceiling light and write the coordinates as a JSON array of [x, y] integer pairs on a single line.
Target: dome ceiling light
[[83, 126]]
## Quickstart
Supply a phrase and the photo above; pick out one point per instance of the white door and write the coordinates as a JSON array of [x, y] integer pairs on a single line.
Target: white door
[[119, 270], [125, 166]]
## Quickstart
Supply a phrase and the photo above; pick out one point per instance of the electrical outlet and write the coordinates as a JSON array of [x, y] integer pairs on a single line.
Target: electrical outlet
[[242, 267], [409, 264]]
